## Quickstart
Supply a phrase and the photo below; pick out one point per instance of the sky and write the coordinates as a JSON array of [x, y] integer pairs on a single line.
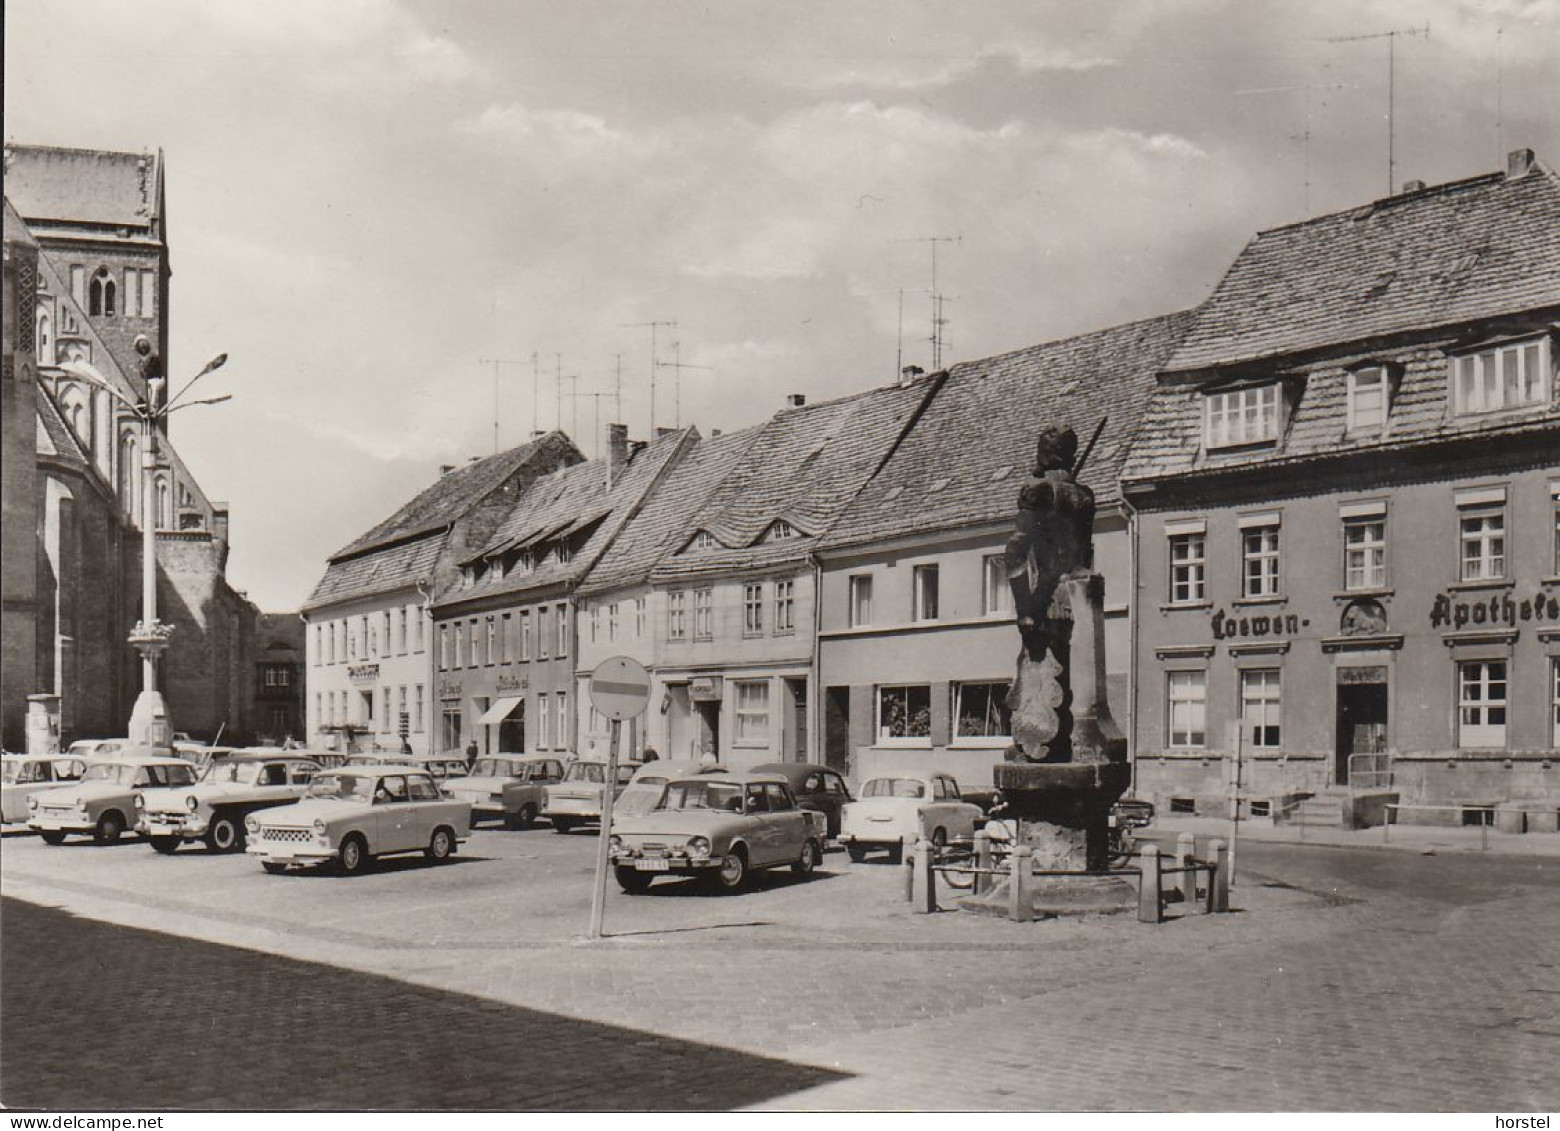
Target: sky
[[366, 198]]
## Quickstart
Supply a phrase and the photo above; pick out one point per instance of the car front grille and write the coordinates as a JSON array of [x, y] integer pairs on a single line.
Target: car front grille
[[286, 836]]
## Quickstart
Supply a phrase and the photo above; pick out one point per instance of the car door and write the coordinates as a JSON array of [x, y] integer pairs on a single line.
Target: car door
[[423, 808], [758, 826], [788, 820], [394, 815]]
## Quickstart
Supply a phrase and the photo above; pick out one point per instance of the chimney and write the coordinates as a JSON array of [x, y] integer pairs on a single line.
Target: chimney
[[445, 469], [909, 373], [617, 451], [1413, 186], [795, 400], [661, 430], [1519, 163], [714, 433]]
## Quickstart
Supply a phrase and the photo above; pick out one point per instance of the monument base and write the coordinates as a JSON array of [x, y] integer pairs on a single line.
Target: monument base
[[149, 720], [1055, 896]]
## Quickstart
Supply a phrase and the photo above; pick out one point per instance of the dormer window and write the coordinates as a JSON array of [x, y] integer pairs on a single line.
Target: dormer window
[[1513, 375], [780, 531], [1234, 418], [703, 540], [564, 553], [1370, 398]]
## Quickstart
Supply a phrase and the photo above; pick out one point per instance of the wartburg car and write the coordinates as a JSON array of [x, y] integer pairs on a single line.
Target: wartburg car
[[577, 800], [722, 826], [910, 803], [27, 774], [213, 810], [102, 803], [507, 787], [356, 813]]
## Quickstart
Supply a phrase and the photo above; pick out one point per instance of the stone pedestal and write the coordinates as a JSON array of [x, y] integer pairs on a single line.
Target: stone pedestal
[[43, 724]]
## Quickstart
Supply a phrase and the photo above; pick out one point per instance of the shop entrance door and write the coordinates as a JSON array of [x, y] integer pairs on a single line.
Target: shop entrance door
[[836, 728], [709, 729], [511, 732], [1362, 724]]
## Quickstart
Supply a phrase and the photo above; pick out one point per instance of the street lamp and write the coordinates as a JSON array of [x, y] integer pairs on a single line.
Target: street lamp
[[149, 719]]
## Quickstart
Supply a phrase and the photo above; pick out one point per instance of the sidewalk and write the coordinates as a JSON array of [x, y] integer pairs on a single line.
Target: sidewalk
[[1428, 839]]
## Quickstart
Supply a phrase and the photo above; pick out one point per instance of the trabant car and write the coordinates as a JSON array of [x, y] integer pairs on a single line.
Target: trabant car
[[507, 787], [356, 813], [213, 810], [814, 787], [102, 803], [442, 767], [577, 800], [644, 789], [910, 803], [98, 747], [718, 825], [22, 775]]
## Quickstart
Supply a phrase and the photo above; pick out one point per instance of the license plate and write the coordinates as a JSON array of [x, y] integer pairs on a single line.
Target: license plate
[[652, 865]]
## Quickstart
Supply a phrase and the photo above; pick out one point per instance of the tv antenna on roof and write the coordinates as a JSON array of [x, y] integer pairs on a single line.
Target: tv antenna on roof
[[938, 321], [654, 327], [1391, 37], [495, 362], [1304, 137], [677, 365]]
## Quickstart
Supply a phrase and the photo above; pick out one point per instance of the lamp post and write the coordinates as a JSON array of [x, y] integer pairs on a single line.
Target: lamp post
[[149, 719]]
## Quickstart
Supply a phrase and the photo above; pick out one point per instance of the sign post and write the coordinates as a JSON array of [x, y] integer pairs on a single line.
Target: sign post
[[1237, 740], [619, 689]]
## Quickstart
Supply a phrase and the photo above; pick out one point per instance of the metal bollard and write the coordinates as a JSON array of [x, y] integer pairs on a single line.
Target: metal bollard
[[1149, 910], [1219, 882], [1186, 860], [1021, 903], [925, 899], [907, 865], [982, 862]]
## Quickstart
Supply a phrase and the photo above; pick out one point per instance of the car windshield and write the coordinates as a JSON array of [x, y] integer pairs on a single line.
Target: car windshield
[[243, 773], [495, 768], [586, 771], [702, 794], [108, 771], [894, 787], [343, 787]]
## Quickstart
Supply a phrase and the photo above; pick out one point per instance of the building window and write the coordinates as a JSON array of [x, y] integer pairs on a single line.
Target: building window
[[417, 709], [1188, 568], [1188, 708], [1508, 376], [753, 712], [452, 726], [78, 284], [101, 294], [1260, 706], [1259, 560], [543, 722], [904, 715], [1368, 399], [595, 623], [980, 711], [753, 608], [132, 290], [785, 607], [639, 617], [676, 622], [319, 710], [561, 731], [148, 294], [1241, 416], [1481, 704], [492, 641], [402, 720], [541, 633], [703, 614], [860, 600], [278, 676], [925, 581], [703, 540], [1554, 702], [780, 531], [400, 635], [563, 631], [1364, 553], [444, 648], [506, 629], [996, 598], [475, 638], [1483, 538], [612, 621], [319, 644], [525, 635]]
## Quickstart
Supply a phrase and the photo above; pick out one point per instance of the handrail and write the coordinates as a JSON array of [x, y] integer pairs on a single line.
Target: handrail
[[1391, 807], [1381, 778]]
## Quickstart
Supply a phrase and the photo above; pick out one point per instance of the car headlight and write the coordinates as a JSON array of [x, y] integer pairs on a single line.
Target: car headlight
[[192, 803], [32, 801], [319, 826], [615, 844], [698, 846], [252, 824], [140, 801]]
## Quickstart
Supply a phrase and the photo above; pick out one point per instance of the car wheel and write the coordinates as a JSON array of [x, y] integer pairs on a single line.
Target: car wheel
[[166, 844], [633, 881], [524, 819], [273, 867], [562, 825], [52, 836], [352, 856], [857, 853], [110, 827], [732, 873], [224, 835], [808, 860], [440, 845]]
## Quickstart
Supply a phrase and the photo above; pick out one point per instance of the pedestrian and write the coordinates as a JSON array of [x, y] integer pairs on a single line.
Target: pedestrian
[[650, 755], [471, 752]]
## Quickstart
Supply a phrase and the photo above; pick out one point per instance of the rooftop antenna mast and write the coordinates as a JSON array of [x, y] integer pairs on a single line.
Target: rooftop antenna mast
[[1391, 37], [495, 362], [596, 399], [938, 321], [1304, 137], [677, 365], [654, 328], [560, 377]]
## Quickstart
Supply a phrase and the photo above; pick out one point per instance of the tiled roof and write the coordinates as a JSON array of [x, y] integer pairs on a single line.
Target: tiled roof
[[82, 185], [452, 494], [962, 462], [572, 499], [380, 571], [54, 435], [804, 466], [1452, 253], [661, 527]]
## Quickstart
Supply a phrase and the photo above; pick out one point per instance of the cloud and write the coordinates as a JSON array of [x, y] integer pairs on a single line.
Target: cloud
[[929, 72], [559, 133]]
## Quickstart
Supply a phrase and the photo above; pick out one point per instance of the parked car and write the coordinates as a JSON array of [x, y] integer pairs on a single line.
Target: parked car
[[719, 825], [22, 775], [507, 787], [911, 803], [577, 800], [200, 756], [102, 803], [441, 766], [815, 787], [214, 808], [98, 747], [644, 789], [355, 814]]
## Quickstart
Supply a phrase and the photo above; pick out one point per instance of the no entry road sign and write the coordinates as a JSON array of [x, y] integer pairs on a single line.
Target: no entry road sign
[[620, 688]]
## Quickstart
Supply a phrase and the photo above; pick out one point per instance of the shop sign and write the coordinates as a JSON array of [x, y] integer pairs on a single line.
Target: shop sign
[[449, 689], [705, 690], [1226, 627], [1503, 609], [512, 683], [1374, 674], [363, 673]]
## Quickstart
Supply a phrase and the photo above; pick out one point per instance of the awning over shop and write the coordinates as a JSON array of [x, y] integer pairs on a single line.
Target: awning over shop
[[500, 710]]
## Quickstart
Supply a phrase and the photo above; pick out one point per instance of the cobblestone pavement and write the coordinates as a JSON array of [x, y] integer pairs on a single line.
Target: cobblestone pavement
[[1349, 980]]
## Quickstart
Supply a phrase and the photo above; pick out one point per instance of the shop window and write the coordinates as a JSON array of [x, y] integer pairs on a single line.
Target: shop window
[[1481, 704], [860, 600], [1475, 815], [785, 607], [1261, 705], [904, 715], [753, 609], [1188, 568], [1514, 375], [1482, 533], [676, 615], [1188, 715], [996, 597], [926, 592], [1365, 553], [752, 712], [1259, 559], [980, 711], [1237, 417], [703, 614], [1369, 399]]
